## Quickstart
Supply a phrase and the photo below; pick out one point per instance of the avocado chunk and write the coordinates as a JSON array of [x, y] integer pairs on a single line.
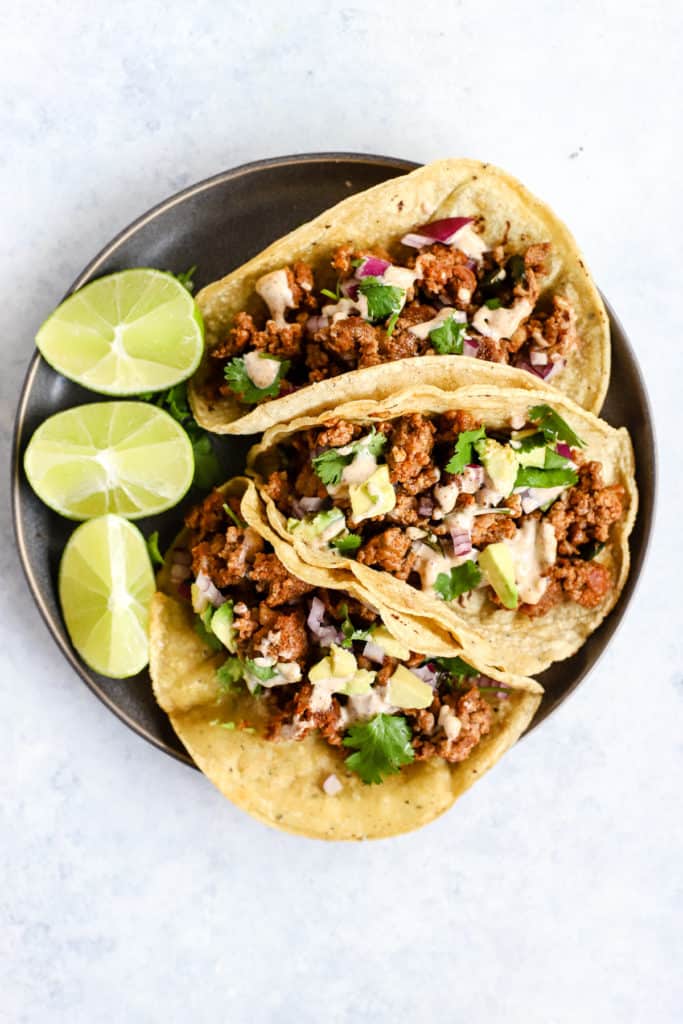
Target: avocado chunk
[[534, 457], [374, 497], [500, 462], [323, 527], [406, 690], [381, 636], [341, 667], [496, 563], [222, 626]]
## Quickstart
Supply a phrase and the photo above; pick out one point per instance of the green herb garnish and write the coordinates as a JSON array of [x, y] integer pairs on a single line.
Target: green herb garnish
[[382, 746], [186, 278], [153, 548], [448, 338], [464, 447], [459, 580], [349, 542], [554, 427], [203, 630], [230, 673], [241, 383], [493, 303], [262, 672], [330, 465], [207, 468], [349, 630], [235, 518], [517, 268], [383, 299], [456, 667], [391, 324]]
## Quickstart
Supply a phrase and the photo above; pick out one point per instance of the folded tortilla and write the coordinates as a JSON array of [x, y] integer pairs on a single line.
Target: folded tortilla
[[379, 217]]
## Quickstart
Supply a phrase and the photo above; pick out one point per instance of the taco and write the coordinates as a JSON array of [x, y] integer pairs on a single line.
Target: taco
[[314, 711], [428, 277], [499, 513]]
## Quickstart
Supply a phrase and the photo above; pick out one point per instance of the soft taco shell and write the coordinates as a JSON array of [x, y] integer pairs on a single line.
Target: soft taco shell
[[379, 217], [507, 640], [281, 783]]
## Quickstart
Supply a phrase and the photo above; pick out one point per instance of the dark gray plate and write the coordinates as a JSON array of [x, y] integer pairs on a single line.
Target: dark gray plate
[[218, 224]]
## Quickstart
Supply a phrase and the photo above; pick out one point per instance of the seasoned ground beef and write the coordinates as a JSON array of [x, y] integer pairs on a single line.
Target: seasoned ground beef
[[475, 716], [587, 583], [283, 635], [389, 551], [445, 275], [279, 585], [224, 558], [410, 446], [585, 512], [449, 425], [489, 529]]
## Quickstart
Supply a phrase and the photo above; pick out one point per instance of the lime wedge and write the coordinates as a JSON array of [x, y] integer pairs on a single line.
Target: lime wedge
[[135, 331], [125, 457], [106, 584]]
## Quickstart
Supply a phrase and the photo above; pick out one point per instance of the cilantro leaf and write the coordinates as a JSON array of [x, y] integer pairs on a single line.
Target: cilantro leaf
[[456, 667], [589, 551], [382, 746], [391, 323], [554, 427], [330, 465], [203, 631], [349, 542], [493, 303], [349, 630], [236, 519], [527, 444], [230, 673], [462, 454], [241, 383], [458, 581], [383, 299], [262, 672], [153, 548], [186, 278], [335, 296], [207, 468], [517, 268], [533, 476], [448, 338]]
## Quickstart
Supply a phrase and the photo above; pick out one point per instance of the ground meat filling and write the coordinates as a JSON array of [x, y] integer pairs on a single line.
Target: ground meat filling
[[582, 517], [319, 344], [270, 616]]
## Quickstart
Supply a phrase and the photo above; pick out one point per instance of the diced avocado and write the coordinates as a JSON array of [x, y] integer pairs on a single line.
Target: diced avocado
[[406, 690], [534, 457], [323, 526], [381, 636], [375, 497], [320, 671], [496, 563], [222, 626], [500, 462], [359, 683], [344, 662]]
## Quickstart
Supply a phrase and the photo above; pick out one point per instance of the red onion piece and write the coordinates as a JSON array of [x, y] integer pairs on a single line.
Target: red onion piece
[[372, 266], [427, 674], [471, 479], [462, 542], [316, 615], [350, 290], [374, 652], [415, 241], [470, 347], [425, 507], [537, 357], [564, 450], [316, 323], [311, 504], [544, 372], [329, 635], [209, 590], [444, 230]]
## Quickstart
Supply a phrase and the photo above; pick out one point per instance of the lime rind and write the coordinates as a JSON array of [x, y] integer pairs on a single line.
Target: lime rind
[[127, 458], [134, 331]]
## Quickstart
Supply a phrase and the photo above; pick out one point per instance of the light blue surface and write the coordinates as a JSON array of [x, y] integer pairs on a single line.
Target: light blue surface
[[552, 893]]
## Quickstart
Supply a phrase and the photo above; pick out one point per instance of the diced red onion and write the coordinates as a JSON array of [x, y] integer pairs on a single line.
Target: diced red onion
[[425, 507], [329, 635], [444, 230], [471, 264], [209, 590], [316, 615], [537, 357], [471, 479], [536, 497], [544, 372], [470, 347], [462, 542], [372, 266], [374, 652], [350, 289], [311, 504], [564, 450], [316, 323], [427, 674], [332, 785], [415, 241]]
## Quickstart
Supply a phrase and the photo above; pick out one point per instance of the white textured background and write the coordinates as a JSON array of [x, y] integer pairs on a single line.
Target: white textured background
[[129, 891]]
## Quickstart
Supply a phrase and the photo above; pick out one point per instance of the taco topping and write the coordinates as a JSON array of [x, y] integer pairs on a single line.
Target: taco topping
[[319, 660], [516, 517], [445, 289]]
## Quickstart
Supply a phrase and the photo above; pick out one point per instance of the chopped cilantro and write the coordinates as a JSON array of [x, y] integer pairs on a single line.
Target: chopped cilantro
[[153, 548], [349, 630], [533, 476], [187, 278], [262, 672], [528, 443], [203, 630], [462, 454], [589, 551], [235, 518], [553, 460], [554, 427], [349, 542], [456, 667], [391, 324], [358, 262], [224, 725], [383, 299], [335, 296], [241, 383], [382, 746], [330, 465], [448, 338], [493, 303], [458, 581]]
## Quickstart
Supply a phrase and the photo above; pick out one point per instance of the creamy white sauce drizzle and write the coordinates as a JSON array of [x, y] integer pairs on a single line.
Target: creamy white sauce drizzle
[[534, 550], [261, 370], [423, 330], [468, 241], [275, 291], [449, 722], [502, 322]]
